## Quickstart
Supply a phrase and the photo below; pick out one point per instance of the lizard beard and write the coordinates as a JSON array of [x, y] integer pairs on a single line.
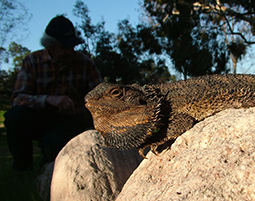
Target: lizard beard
[[128, 129]]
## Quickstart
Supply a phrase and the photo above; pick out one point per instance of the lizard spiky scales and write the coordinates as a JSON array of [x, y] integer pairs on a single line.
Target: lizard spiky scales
[[135, 116], [123, 125]]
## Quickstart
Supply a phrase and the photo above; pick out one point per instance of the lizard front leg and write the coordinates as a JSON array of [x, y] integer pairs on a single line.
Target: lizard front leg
[[177, 125]]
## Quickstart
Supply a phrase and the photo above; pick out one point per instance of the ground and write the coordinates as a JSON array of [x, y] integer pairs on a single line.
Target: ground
[[15, 186]]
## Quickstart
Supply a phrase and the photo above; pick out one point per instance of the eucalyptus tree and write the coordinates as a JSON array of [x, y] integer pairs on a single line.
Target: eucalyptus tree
[[195, 31], [13, 16], [121, 57]]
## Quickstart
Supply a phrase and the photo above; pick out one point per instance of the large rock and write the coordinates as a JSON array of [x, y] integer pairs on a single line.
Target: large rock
[[215, 160], [43, 181], [86, 170]]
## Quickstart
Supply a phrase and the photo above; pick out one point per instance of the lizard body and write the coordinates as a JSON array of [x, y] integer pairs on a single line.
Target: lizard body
[[141, 116]]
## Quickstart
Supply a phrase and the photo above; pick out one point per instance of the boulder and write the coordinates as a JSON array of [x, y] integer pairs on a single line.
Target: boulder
[[43, 181], [215, 160], [87, 170]]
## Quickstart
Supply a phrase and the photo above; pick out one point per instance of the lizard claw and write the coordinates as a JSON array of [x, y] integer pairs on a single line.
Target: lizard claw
[[154, 150], [141, 152]]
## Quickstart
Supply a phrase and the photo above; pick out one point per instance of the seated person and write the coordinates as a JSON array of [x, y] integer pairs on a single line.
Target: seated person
[[48, 97]]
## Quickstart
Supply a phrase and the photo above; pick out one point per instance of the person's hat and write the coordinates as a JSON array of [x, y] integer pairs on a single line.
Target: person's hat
[[63, 30]]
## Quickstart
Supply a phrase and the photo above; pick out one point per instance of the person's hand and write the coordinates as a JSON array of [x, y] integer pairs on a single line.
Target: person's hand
[[63, 103]]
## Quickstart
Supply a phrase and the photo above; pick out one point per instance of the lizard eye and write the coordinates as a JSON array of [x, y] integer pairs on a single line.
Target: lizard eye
[[117, 93]]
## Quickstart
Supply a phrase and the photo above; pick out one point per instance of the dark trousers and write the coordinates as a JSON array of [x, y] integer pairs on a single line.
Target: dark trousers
[[51, 130]]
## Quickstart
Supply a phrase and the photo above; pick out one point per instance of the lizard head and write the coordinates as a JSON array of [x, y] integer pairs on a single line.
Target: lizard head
[[123, 114]]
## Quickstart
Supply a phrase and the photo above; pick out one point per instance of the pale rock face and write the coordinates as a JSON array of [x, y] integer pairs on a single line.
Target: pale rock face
[[215, 160], [86, 170]]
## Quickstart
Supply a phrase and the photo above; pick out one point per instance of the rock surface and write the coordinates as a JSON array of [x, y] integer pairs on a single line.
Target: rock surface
[[215, 160], [43, 181], [86, 170]]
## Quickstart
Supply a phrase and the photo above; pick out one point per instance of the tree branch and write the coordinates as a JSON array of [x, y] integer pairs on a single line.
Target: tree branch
[[239, 16]]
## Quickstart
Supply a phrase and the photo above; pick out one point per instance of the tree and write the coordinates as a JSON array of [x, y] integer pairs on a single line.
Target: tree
[[121, 57], [155, 72], [90, 31], [237, 49], [236, 46], [235, 12], [18, 53], [141, 49], [13, 15], [107, 59], [7, 79], [195, 29]]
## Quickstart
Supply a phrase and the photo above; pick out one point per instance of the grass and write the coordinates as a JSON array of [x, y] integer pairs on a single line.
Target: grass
[[15, 186]]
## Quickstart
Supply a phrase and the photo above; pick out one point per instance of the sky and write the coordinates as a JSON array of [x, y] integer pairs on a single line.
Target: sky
[[111, 11], [43, 11]]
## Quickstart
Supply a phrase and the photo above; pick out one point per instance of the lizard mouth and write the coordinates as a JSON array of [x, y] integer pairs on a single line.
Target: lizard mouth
[[90, 106]]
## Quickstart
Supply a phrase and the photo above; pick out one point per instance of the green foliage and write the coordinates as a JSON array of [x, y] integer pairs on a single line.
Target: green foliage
[[2, 118], [130, 56], [13, 16], [194, 33], [18, 53], [7, 78]]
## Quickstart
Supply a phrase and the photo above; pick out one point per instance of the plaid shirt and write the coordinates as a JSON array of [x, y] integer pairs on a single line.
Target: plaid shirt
[[41, 76]]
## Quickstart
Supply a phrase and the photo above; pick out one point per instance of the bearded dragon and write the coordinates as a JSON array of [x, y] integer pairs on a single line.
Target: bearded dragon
[[130, 116]]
